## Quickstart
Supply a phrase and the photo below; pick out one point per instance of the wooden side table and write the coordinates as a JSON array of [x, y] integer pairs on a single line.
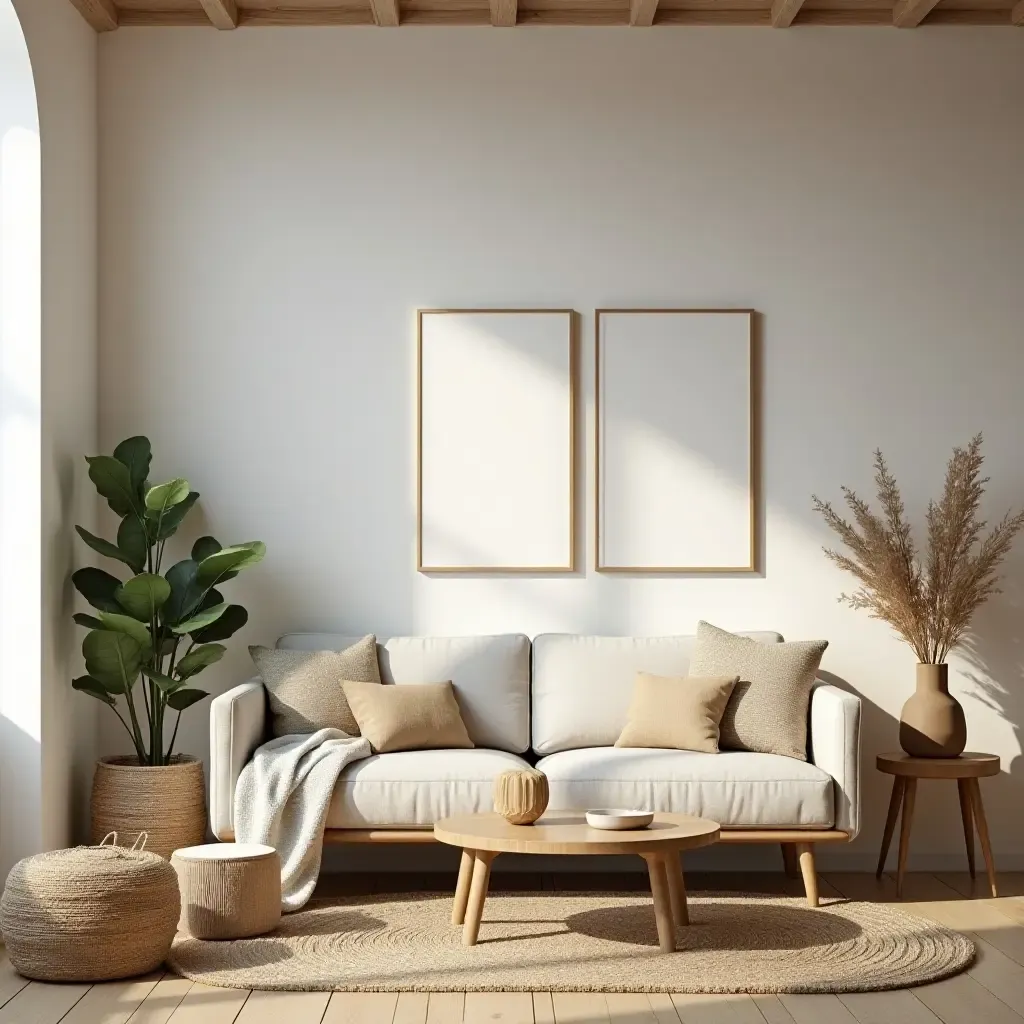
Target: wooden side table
[[966, 769]]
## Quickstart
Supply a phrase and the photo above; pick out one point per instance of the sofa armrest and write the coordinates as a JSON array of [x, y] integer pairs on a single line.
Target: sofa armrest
[[835, 748], [237, 728]]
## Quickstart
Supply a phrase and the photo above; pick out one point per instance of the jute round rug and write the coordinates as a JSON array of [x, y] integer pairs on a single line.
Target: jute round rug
[[583, 942]]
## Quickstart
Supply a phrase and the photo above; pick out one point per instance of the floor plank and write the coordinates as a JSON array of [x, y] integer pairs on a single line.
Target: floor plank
[[361, 1008], [162, 1001], [579, 1007], [11, 982], [817, 1009], [900, 1007], [503, 1007], [277, 1007], [663, 1007], [980, 919], [411, 1008], [543, 1011], [39, 1003], [205, 1005], [716, 1009], [772, 1009], [1009, 883], [961, 1000], [446, 1007], [112, 1003], [629, 1008]]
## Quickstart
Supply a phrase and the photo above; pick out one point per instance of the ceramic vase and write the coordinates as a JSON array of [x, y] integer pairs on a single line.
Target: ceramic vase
[[932, 723]]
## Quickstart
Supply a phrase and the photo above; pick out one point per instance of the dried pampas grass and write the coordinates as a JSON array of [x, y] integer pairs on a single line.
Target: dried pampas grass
[[928, 601]]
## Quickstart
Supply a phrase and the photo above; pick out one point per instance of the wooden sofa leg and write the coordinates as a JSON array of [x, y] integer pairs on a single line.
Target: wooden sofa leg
[[805, 852], [789, 860]]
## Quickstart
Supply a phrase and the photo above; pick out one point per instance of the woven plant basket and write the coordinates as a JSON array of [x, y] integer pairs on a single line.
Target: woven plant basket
[[168, 803], [94, 913]]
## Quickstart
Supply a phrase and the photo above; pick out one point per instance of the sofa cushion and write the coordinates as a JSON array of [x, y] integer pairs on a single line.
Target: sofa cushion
[[396, 718], [582, 685], [491, 675], [415, 788], [736, 788]]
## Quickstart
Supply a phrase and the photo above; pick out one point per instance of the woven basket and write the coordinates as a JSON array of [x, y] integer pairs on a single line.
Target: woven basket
[[168, 803], [89, 914]]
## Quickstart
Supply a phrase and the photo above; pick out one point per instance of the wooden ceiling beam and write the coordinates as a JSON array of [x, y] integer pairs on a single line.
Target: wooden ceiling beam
[[784, 12], [223, 13], [385, 13], [1017, 14], [101, 14], [503, 13], [641, 12], [910, 13]]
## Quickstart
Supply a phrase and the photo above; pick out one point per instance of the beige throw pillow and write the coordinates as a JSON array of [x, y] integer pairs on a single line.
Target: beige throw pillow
[[767, 712], [304, 687], [422, 716], [674, 713]]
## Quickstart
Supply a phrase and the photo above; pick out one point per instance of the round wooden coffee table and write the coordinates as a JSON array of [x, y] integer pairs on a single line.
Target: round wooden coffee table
[[482, 837], [966, 769]]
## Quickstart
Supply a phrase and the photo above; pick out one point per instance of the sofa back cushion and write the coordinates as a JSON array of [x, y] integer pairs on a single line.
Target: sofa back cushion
[[582, 685], [491, 676]]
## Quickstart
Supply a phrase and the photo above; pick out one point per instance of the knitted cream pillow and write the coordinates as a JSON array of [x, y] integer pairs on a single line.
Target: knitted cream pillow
[[767, 712], [304, 687]]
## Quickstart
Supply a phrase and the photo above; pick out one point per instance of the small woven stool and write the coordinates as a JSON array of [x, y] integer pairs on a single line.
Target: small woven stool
[[94, 913], [228, 890]]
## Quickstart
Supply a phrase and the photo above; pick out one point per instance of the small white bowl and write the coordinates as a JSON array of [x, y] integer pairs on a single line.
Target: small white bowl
[[615, 820]]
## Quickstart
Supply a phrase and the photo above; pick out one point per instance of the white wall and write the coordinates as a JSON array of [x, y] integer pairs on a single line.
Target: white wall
[[276, 204]]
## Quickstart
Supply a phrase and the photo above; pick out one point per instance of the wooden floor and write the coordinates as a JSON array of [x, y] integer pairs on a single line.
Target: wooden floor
[[991, 992]]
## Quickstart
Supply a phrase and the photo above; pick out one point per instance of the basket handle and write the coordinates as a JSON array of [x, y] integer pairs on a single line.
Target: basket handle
[[140, 842], [110, 835]]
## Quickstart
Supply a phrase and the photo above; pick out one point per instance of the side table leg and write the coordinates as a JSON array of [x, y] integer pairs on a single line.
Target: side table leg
[[677, 888], [909, 793], [477, 895], [982, 824], [898, 786], [662, 901], [462, 888], [968, 819]]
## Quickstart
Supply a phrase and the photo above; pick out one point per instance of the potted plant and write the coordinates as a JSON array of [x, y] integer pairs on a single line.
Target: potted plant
[[152, 634], [928, 601]]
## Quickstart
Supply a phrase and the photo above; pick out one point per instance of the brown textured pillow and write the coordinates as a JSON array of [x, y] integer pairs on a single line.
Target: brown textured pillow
[[422, 716], [675, 713], [767, 712], [304, 687]]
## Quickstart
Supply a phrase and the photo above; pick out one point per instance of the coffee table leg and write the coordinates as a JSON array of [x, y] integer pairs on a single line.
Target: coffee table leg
[[677, 887], [662, 901], [462, 889], [477, 895]]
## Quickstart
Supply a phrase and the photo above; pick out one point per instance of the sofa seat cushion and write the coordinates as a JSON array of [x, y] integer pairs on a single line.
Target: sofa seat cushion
[[737, 789], [415, 788]]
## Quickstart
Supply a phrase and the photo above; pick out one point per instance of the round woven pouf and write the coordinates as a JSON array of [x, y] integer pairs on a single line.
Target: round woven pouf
[[94, 913], [228, 890]]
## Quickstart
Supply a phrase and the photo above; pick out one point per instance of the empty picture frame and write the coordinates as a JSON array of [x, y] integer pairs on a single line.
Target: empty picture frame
[[496, 440], [676, 450]]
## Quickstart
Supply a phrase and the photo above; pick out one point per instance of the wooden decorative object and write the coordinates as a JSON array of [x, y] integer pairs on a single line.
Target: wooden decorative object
[[228, 890], [168, 803], [89, 914], [521, 797], [966, 769]]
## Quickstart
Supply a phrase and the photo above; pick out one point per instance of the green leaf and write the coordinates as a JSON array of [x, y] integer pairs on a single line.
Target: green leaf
[[204, 547], [133, 542], [89, 621], [164, 496], [135, 453], [104, 547], [172, 518], [165, 683], [142, 595], [93, 687], [114, 482], [98, 588], [113, 659], [129, 626], [233, 619], [215, 567], [198, 658], [200, 620], [185, 592], [181, 699]]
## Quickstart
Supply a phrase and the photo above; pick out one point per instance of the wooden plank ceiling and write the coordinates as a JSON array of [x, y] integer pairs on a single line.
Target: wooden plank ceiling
[[107, 15]]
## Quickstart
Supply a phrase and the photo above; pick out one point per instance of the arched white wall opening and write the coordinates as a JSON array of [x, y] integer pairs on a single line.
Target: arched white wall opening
[[20, 449]]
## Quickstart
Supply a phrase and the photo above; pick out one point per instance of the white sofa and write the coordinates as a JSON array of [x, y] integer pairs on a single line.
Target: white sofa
[[560, 702]]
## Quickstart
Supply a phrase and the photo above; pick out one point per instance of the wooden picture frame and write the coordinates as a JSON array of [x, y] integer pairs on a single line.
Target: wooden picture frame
[[496, 440], [689, 463]]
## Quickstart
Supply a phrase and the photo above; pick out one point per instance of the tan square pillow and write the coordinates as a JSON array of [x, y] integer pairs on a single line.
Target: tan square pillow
[[767, 712], [304, 687], [424, 716], [674, 713]]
